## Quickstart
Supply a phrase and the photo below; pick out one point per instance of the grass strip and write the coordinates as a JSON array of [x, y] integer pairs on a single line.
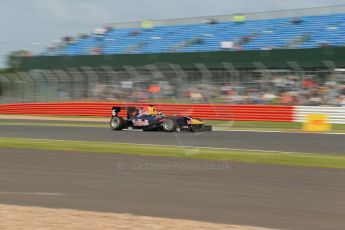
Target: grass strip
[[246, 156]]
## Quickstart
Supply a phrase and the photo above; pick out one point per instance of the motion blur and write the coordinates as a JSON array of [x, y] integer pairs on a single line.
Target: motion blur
[[234, 121]]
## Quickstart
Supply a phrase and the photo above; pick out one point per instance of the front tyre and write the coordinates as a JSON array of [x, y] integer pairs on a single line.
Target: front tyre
[[169, 125], [117, 123]]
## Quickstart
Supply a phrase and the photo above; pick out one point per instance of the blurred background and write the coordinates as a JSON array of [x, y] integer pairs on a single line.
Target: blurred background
[[284, 56]]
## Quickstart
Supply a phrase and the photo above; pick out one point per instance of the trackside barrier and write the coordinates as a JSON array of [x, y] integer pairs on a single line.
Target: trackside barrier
[[203, 111], [336, 115]]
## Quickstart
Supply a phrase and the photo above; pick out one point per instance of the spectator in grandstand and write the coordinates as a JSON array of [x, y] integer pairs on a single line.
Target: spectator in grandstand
[[108, 29], [96, 50], [341, 100], [342, 89], [134, 33], [197, 41], [210, 21], [227, 45], [254, 97], [328, 91], [226, 89], [82, 36], [315, 99], [296, 20], [278, 82], [330, 82], [324, 44], [68, 40], [238, 98], [286, 98], [308, 83], [196, 97], [140, 96], [100, 32], [268, 48], [243, 40], [269, 97]]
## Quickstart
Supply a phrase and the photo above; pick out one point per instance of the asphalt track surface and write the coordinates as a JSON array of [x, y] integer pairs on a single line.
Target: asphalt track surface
[[288, 142], [244, 194]]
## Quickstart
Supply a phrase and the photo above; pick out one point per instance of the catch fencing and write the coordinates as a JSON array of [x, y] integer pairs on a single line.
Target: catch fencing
[[193, 86]]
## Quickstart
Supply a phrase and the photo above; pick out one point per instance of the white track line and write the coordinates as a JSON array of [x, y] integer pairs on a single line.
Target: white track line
[[176, 146], [276, 131], [31, 193]]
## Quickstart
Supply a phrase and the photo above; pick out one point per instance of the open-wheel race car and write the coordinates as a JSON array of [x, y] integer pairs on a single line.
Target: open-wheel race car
[[147, 119]]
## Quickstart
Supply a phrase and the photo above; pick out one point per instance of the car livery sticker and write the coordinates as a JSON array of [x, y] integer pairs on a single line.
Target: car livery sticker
[[114, 113], [140, 122]]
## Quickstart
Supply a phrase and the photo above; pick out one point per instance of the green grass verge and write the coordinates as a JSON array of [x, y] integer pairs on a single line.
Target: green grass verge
[[259, 157]]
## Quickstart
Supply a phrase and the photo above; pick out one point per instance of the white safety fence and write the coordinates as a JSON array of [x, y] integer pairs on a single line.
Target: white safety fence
[[336, 115]]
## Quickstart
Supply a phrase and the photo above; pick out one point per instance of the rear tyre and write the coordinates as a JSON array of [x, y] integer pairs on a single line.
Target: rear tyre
[[117, 123], [169, 125]]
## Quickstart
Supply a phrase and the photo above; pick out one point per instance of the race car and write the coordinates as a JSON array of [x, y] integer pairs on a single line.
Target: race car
[[137, 120]]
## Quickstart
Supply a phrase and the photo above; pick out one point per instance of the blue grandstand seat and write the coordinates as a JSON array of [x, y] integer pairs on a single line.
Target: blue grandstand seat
[[270, 33]]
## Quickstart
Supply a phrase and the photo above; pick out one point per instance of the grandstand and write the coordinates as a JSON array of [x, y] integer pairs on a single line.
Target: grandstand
[[312, 28], [285, 57]]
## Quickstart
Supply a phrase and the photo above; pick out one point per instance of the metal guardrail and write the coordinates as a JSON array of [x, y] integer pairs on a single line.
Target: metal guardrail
[[336, 115]]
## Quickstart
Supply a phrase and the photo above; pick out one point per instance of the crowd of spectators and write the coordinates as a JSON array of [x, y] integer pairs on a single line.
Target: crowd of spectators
[[286, 91], [277, 90]]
